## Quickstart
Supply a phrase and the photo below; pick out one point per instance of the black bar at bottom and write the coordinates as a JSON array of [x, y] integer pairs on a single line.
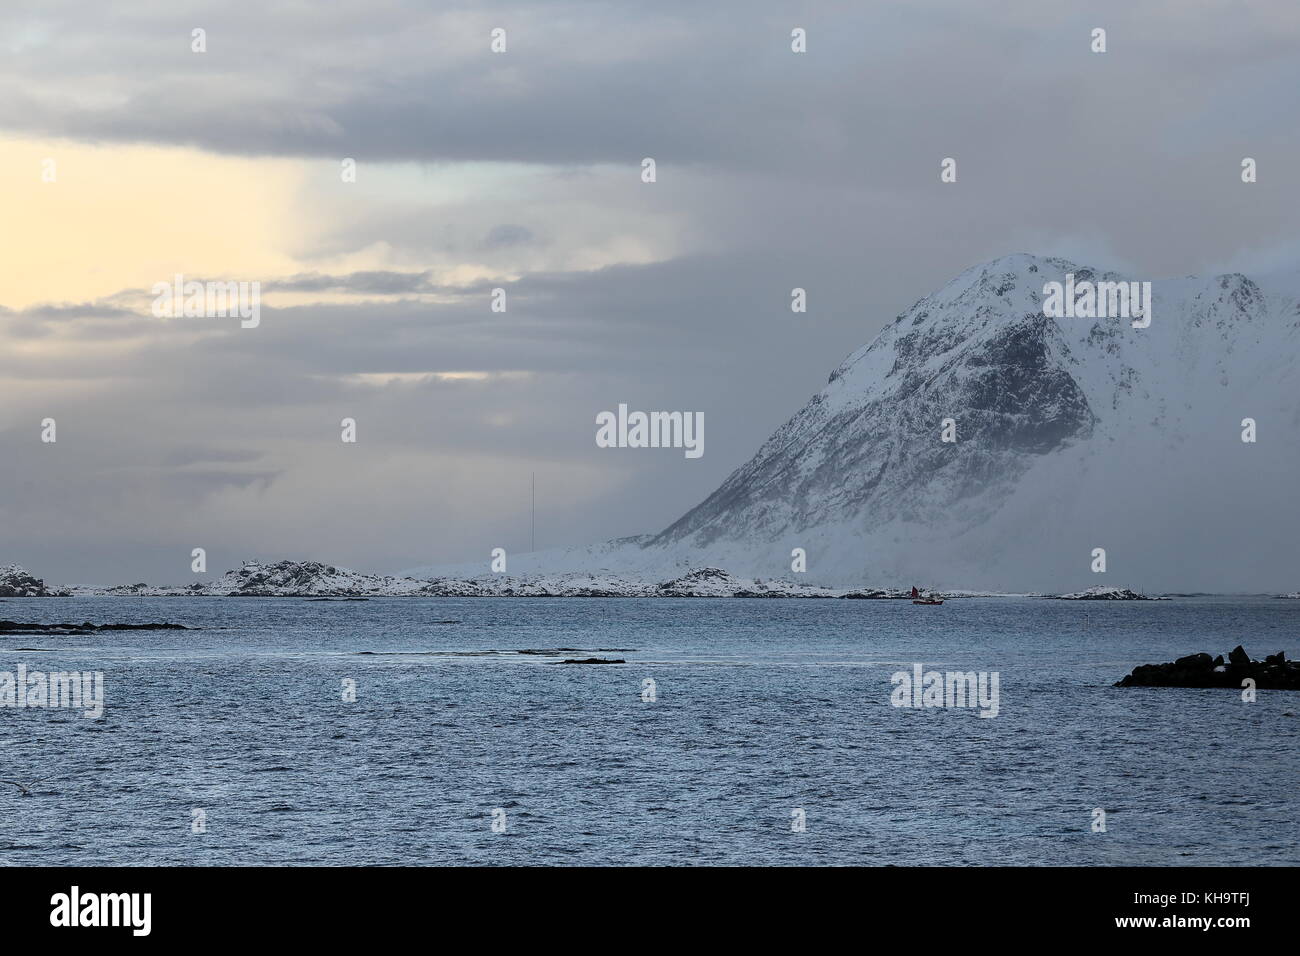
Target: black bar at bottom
[[371, 906]]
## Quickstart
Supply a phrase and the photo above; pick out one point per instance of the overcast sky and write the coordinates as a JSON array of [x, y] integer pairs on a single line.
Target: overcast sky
[[522, 170]]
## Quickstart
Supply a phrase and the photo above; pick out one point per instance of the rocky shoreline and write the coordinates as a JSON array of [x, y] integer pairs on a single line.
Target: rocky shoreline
[[14, 628], [1274, 672], [323, 582]]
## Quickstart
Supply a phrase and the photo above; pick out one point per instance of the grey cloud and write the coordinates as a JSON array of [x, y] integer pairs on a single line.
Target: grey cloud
[[775, 171], [507, 235], [587, 83], [381, 282]]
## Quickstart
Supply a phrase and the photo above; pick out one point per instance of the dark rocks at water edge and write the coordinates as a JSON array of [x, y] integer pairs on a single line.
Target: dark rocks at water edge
[[552, 652], [877, 594], [1274, 672], [591, 660], [11, 628]]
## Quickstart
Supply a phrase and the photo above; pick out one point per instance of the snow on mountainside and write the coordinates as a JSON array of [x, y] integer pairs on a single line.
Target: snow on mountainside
[[1072, 434], [867, 448]]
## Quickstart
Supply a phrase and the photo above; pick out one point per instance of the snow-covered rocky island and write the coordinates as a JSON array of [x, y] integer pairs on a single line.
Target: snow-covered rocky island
[[1103, 592], [274, 579], [17, 582], [315, 579]]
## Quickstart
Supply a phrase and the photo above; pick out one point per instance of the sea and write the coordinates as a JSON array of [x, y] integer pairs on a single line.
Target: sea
[[417, 731]]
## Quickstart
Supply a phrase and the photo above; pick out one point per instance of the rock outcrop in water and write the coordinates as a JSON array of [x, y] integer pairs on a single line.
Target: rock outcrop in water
[[1274, 672], [17, 582], [1104, 593], [877, 594], [143, 590], [307, 579], [715, 582], [591, 660], [13, 628]]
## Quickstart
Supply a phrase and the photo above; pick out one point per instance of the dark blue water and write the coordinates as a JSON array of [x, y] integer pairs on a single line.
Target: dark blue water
[[763, 706]]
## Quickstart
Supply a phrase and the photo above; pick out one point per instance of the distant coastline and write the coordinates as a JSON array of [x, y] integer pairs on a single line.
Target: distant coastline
[[311, 579]]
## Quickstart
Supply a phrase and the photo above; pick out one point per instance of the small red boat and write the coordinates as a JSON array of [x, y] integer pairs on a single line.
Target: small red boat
[[934, 598]]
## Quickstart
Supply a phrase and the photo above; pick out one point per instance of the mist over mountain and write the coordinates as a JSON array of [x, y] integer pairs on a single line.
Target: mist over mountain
[[1071, 434]]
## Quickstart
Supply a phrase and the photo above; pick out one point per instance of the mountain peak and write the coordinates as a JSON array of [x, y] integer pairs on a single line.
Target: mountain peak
[[974, 418]]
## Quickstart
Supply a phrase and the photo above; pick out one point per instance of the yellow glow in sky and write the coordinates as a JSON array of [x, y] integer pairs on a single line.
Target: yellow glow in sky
[[81, 222], [118, 217]]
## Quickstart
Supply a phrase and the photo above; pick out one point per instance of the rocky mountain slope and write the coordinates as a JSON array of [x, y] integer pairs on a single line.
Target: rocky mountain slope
[[1071, 434]]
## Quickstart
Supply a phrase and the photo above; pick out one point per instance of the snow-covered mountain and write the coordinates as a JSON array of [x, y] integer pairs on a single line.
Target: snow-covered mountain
[[1072, 434]]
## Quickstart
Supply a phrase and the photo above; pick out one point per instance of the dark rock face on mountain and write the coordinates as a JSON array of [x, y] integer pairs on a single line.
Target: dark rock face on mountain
[[868, 448], [16, 582], [1274, 672]]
